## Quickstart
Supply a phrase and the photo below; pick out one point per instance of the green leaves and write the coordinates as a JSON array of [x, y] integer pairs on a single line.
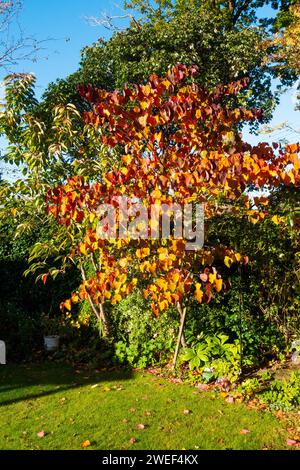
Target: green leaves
[[214, 357]]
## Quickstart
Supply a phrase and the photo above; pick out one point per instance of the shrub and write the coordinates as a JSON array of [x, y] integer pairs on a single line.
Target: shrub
[[140, 338], [213, 357], [283, 394]]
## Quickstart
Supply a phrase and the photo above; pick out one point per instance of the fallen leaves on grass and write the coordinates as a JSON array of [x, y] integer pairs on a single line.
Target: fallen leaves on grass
[[85, 444], [132, 410], [176, 380], [202, 387], [229, 399], [244, 431], [292, 442]]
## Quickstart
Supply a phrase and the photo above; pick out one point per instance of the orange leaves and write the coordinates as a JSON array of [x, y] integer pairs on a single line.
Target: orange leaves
[[85, 444], [127, 159], [167, 290], [179, 145], [74, 298], [44, 278], [293, 148], [67, 304]]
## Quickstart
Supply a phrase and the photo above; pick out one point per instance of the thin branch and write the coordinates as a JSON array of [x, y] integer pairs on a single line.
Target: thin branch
[[108, 21]]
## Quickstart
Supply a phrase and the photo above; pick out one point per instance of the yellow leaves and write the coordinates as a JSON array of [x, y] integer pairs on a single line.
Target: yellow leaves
[[233, 258], [162, 254], [116, 298], [144, 105], [163, 305], [218, 284], [82, 248], [158, 136], [277, 220], [145, 266], [166, 83], [162, 284], [123, 262], [156, 194], [146, 90], [142, 253], [255, 216], [198, 293], [175, 277], [124, 171], [291, 175], [92, 217], [228, 261]]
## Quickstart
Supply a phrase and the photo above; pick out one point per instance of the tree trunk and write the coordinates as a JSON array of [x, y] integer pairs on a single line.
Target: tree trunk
[[180, 339], [98, 310], [104, 321]]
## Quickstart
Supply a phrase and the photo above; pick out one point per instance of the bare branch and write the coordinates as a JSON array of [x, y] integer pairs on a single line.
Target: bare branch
[[107, 21], [16, 46]]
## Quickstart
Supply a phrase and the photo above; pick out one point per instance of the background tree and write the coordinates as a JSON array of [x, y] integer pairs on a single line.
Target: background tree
[[226, 40], [15, 46], [287, 40]]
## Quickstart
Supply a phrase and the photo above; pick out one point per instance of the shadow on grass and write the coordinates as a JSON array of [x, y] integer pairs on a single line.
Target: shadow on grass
[[27, 382]]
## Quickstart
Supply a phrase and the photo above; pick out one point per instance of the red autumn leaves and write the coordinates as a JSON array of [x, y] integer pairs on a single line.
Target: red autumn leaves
[[178, 143]]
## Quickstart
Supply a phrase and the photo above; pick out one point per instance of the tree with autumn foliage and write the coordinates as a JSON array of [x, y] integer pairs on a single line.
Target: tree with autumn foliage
[[178, 144]]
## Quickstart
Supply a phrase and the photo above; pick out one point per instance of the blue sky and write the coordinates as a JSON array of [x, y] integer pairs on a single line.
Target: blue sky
[[64, 22]]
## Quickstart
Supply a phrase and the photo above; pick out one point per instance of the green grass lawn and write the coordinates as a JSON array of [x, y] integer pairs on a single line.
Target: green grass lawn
[[70, 409]]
